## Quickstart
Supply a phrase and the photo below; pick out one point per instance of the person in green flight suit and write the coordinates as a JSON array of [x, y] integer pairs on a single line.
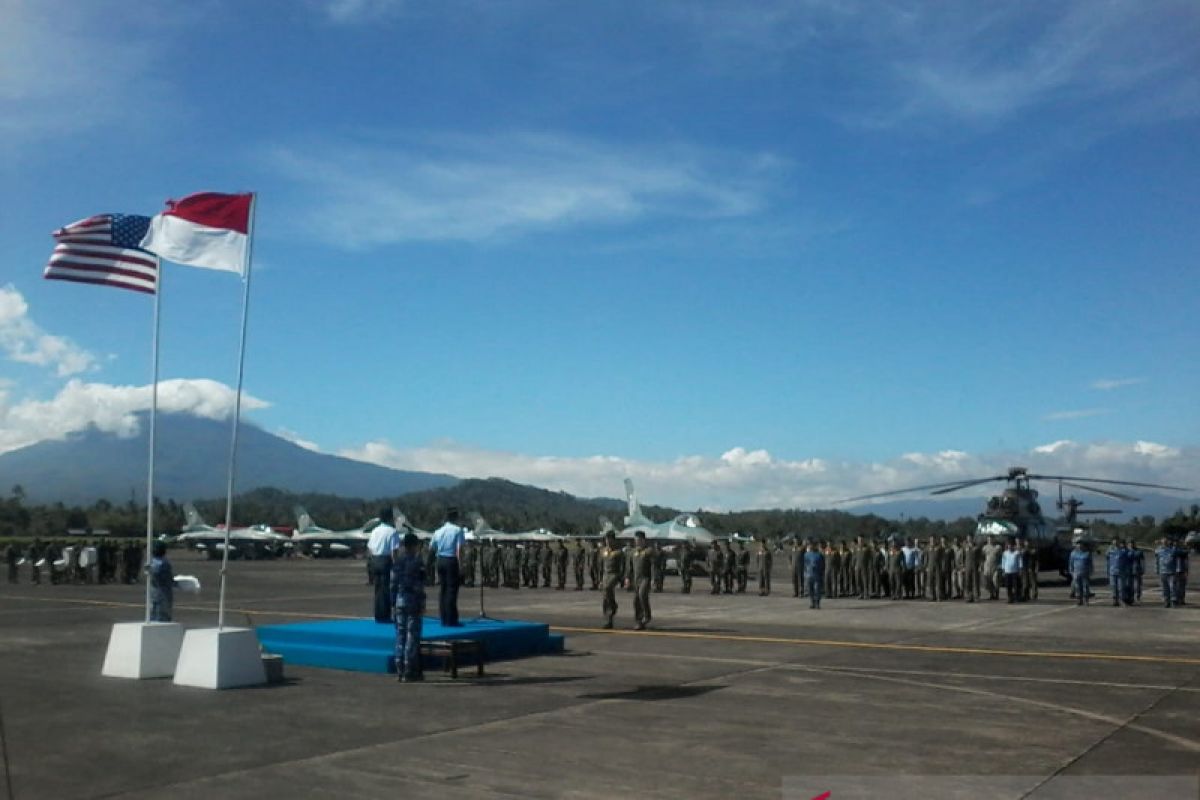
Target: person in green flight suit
[[684, 559], [612, 566], [642, 579]]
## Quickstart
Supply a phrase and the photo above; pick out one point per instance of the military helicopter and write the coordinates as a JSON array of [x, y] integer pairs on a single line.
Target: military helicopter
[[1016, 513]]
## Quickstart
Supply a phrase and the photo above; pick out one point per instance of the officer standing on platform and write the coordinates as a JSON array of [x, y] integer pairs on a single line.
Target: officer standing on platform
[[642, 577], [383, 541], [447, 543]]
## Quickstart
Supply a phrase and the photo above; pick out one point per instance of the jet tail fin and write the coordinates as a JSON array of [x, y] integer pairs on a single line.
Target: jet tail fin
[[192, 518], [304, 522], [479, 521], [635, 516]]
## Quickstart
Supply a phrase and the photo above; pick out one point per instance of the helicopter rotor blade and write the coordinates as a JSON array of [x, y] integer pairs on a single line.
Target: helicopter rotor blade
[[1108, 481], [966, 484], [1106, 492], [1100, 511], [949, 486]]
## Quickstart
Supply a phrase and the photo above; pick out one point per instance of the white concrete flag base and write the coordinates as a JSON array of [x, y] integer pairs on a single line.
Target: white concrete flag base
[[142, 650], [220, 658]]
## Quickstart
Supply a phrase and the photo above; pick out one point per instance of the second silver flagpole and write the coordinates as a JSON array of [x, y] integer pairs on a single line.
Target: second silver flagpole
[[237, 411], [153, 432]]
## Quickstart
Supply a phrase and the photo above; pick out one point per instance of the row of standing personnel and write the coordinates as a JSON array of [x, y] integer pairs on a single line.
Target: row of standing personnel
[[83, 562]]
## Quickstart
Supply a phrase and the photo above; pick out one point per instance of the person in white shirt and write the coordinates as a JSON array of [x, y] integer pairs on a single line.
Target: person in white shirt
[[447, 543], [380, 545], [1010, 565]]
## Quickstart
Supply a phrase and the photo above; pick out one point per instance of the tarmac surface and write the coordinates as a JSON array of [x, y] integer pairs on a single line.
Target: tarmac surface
[[727, 696]]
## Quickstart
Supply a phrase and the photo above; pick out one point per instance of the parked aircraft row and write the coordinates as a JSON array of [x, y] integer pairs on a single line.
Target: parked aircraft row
[[312, 539]]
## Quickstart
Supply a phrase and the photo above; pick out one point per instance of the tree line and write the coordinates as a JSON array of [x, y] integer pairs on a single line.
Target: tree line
[[506, 506]]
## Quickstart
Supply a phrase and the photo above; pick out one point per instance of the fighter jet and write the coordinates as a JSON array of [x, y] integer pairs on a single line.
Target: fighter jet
[[482, 530], [404, 526], [257, 541], [322, 542], [683, 528]]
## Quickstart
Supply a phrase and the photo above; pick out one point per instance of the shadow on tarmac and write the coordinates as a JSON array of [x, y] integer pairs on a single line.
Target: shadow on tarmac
[[653, 693]]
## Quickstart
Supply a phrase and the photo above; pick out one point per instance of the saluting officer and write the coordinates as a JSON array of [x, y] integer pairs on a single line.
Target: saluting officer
[[612, 566]]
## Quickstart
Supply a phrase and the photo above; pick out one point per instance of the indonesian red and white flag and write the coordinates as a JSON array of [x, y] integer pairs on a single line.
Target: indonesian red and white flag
[[207, 230]]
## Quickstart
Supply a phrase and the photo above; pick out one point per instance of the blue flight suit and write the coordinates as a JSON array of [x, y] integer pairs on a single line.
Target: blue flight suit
[[408, 587], [1125, 568], [1166, 564], [162, 589], [1080, 563], [814, 576], [1113, 562]]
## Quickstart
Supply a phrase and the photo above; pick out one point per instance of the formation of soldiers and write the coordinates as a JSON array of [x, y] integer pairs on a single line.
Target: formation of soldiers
[[70, 562], [936, 569]]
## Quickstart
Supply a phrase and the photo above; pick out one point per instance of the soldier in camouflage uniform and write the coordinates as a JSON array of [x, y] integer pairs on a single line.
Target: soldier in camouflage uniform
[[729, 576], [762, 563], [684, 558], [612, 566], [658, 566], [716, 566], [642, 579], [595, 568], [579, 564], [743, 567], [796, 566], [562, 560], [547, 565]]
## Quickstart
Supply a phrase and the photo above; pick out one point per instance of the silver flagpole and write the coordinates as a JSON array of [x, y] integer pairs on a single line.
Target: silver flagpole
[[237, 410], [153, 430]]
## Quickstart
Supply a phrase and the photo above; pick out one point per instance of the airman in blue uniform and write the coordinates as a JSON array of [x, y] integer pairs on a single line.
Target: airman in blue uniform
[[1080, 564]]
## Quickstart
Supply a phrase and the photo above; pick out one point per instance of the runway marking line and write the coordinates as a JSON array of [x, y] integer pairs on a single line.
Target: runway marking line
[[920, 648], [715, 637]]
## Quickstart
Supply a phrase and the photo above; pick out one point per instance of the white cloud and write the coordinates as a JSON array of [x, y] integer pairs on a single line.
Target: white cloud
[[1108, 384], [22, 340], [748, 478], [1078, 413], [295, 438], [67, 67], [1128, 61], [112, 409], [475, 188]]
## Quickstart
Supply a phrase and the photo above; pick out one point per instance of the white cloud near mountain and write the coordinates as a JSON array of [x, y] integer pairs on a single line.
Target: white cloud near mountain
[[23, 340], [741, 478], [112, 409], [371, 192]]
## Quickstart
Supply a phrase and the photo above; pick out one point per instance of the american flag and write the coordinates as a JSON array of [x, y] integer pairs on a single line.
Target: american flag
[[103, 249]]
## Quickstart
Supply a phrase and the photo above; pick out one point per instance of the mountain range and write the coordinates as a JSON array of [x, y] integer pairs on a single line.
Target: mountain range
[[190, 463], [192, 454]]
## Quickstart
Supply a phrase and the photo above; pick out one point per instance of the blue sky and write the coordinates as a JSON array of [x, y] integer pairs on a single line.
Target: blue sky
[[750, 254]]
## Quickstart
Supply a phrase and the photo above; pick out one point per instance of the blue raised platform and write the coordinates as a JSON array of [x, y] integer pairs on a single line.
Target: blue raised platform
[[364, 645]]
